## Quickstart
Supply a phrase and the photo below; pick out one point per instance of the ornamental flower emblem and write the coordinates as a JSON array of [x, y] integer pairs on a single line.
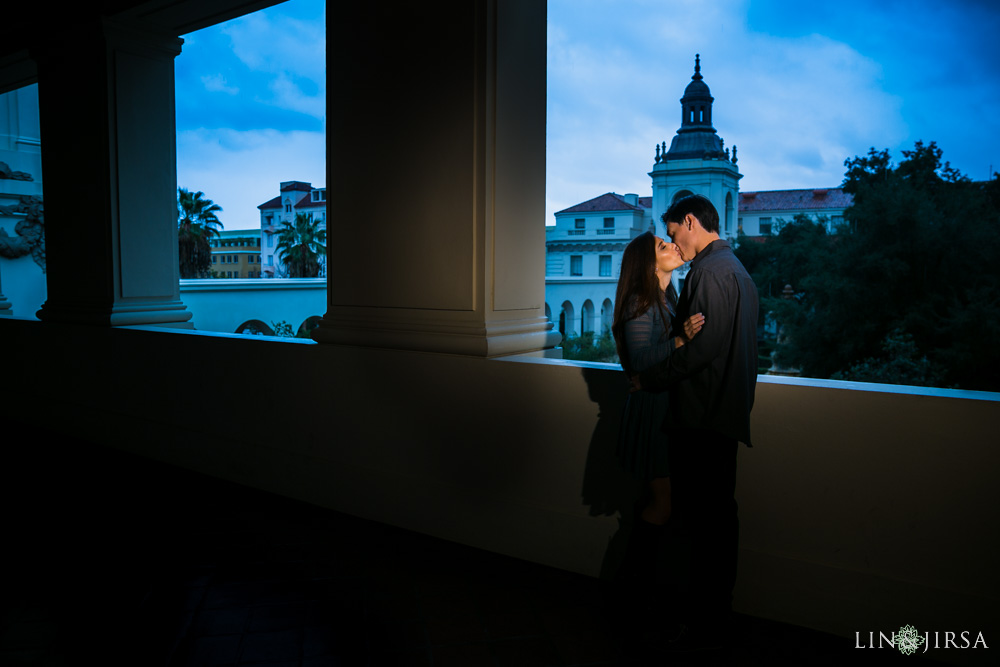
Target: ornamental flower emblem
[[908, 640]]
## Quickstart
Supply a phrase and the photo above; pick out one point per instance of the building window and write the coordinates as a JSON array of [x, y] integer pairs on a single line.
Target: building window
[[576, 265], [765, 226], [609, 223], [270, 240], [605, 265]]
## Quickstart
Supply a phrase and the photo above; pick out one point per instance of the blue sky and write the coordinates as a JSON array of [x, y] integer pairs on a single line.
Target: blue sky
[[798, 87], [251, 108]]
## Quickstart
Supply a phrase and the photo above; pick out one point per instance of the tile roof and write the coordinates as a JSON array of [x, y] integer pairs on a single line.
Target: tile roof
[[307, 202], [606, 202], [785, 200], [761, 200], [304, 202]]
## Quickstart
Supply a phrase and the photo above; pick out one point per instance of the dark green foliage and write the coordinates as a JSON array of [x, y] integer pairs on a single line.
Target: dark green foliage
[[197, 223], [588, 347], [283, 329], [301, 245], [900, 363], [908, 292]]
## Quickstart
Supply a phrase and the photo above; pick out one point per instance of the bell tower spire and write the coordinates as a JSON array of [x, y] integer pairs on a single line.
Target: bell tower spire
[[697, 161], [696, 104]]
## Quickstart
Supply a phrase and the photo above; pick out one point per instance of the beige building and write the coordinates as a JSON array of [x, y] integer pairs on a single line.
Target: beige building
[[236, 254]]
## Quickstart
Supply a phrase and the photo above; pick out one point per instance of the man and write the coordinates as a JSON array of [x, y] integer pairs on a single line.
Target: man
[[711, 380]]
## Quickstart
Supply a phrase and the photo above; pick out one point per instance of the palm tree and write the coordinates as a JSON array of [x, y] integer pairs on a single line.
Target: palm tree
[[301, 246], [197, 222]]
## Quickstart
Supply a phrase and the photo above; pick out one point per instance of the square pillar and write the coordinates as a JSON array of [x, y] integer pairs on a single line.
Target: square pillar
[[106, 108], [436, 177]]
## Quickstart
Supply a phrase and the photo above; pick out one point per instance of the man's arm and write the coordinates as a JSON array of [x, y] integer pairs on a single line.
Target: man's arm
[[712, 297]]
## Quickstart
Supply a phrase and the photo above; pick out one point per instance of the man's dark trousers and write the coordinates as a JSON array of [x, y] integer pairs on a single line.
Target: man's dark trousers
[[703, 481]]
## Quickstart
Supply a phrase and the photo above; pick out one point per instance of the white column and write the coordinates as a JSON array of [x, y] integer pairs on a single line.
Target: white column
[[437, 169], [106, 104]]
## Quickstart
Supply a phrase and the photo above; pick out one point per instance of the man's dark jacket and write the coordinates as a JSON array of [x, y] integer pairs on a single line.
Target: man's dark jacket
[[712, 378]]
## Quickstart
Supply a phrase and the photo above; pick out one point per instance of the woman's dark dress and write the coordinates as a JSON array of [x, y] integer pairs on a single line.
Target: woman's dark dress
[[642, 444]]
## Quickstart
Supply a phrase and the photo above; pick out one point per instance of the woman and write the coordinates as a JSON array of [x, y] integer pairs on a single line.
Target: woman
[[644, 305]]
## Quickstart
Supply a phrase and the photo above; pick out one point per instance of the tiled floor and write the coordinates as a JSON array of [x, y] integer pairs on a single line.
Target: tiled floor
[[115, 560]]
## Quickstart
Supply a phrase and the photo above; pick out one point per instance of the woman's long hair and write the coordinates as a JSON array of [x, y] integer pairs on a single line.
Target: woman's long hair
[[638, 290]]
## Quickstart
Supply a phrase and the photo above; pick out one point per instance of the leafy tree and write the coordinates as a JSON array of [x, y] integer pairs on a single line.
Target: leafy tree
[[197, 223], [588, 347], [907, 292], [901, 363], [301, 245], [283, 329]]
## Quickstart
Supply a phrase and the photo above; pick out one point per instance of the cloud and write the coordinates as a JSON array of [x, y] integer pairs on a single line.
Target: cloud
[[277, 43], [239, 170], [291, 51], [216, 83], [800, 107], [288, 94], [796, 106]]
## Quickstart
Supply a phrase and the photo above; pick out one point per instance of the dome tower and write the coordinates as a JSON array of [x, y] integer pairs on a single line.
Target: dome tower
[[697, 161]]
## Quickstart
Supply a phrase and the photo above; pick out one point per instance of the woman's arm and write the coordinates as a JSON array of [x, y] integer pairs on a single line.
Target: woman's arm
[[645, 342]]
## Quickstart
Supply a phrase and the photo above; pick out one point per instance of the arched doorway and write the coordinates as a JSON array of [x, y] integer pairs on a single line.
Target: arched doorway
[[607, 315], [567, 318], [587, 316]]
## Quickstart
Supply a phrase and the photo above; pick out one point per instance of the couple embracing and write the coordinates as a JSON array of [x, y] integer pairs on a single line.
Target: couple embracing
[[692, 362]]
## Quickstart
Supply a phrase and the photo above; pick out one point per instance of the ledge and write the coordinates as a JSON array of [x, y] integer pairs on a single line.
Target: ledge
[[250, 284], [220, 334], [935, 392]]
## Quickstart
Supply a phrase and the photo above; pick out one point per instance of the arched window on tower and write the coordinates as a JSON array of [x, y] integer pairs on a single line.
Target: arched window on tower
[[680, 195]]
